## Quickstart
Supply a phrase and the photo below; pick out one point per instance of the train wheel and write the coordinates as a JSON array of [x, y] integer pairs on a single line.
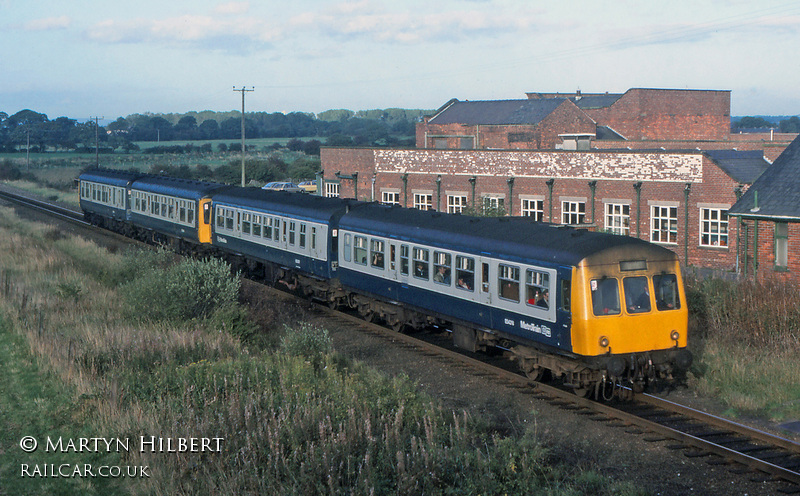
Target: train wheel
[[583, 392], [535, 374]]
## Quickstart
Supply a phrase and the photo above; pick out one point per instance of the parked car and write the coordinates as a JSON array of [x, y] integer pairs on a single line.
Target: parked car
[[283, 186], [309, 186]]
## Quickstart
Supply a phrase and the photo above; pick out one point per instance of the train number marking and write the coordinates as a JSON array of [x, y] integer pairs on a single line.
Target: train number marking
[[538, 329]]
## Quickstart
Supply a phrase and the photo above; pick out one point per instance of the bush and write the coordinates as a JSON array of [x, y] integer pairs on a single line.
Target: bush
[[308, 341], [188, 289]]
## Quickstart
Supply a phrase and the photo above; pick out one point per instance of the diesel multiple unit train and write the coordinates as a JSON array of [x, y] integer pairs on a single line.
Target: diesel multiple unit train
[[593, 309]]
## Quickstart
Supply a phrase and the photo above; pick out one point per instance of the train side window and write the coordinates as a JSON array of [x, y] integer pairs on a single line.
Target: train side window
[[182, 211], [666, 288], [376, 253], [220, 217], [190, 213], [421, 266], [537, 288], [302, 242], [442, 272], [465, 273], [229, 220], [347, 247], [246, 223], [276, 229], [605, 296], [267, 227], [404, 259], [637, 294], [257, 225], [508, 281], [360, 250], [392, 257], [292, 229], [485, 278], [313, 238]]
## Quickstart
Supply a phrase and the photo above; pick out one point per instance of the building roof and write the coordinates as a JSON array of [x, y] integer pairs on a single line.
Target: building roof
[[744, 166], [776, 193], [495, 111]]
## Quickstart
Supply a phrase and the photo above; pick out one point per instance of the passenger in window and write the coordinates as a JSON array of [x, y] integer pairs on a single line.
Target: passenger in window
[[544, 299], [377, 259], [537, 295], [442, 275], [464, 284]]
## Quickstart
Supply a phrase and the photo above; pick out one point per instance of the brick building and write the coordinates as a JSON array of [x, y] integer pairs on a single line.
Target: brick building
[[678, 199], [769, 220], [640, 118]]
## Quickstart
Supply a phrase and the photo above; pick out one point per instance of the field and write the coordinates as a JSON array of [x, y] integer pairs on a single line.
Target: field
[[127, 346]]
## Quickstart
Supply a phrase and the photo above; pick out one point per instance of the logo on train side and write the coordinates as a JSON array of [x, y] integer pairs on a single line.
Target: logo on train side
[[538, 329]]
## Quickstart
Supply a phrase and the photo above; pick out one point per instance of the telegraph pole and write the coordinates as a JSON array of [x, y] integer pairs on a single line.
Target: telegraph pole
[[243, 89], [97, 140]]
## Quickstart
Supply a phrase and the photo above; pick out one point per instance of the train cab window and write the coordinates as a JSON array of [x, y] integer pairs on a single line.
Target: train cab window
[[508, 282], [404, 259], [421, 266], [605, 296], [666, 288], [442, 268], [302, 242], [257, 225], [537, 288], [360, 250], [376, 255], [347, 247], [637, 294], [465, 273]]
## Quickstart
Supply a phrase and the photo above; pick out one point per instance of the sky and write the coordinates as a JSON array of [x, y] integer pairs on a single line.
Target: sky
[[86, 58]]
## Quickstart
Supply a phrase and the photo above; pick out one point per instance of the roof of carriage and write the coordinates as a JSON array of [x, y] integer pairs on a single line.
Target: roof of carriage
[[518, 237], [110, 176], [181, 188], [299, 205]]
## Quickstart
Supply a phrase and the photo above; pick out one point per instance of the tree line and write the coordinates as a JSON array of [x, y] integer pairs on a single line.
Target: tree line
[[790, 125], [31, 130]]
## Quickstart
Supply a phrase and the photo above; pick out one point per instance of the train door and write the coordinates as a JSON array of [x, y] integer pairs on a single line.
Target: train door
[[485, 286], [393, 268], [204, 221]]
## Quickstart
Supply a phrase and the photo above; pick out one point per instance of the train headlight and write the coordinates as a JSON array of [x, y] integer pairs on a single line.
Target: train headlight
[[675, 335], [603, 342]]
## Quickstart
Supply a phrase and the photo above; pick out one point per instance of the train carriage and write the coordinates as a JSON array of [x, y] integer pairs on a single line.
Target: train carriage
[[287, 235], [104, 196], [553, 295], [171, 209]]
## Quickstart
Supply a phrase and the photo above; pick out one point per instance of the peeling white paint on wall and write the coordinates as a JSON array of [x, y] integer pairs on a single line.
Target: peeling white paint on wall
[[634, 166]]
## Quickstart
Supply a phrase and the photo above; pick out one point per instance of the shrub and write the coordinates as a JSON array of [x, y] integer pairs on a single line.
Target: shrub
[[188, 289]]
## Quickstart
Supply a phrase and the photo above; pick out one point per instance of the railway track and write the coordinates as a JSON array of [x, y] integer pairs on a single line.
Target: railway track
[[720, 441]]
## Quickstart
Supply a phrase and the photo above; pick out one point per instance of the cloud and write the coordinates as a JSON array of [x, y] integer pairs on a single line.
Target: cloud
[[48, 23], [233, 25]]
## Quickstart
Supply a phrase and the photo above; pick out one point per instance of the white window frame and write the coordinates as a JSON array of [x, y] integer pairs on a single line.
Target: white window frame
[[707, 226], [573, 211], [456, 203], [331, 189], [390, 197], [532, 206], [423, 201], [657, 220], [616, 220]]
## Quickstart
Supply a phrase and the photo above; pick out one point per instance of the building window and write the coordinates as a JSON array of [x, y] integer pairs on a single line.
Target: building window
[[664, 224], [494, 205], [533, 208], [713, 227], [618, 218], [332, 189], [423, 201], [781, 245], [440, 143], [390, 197], [573, 212], [456, 204]]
